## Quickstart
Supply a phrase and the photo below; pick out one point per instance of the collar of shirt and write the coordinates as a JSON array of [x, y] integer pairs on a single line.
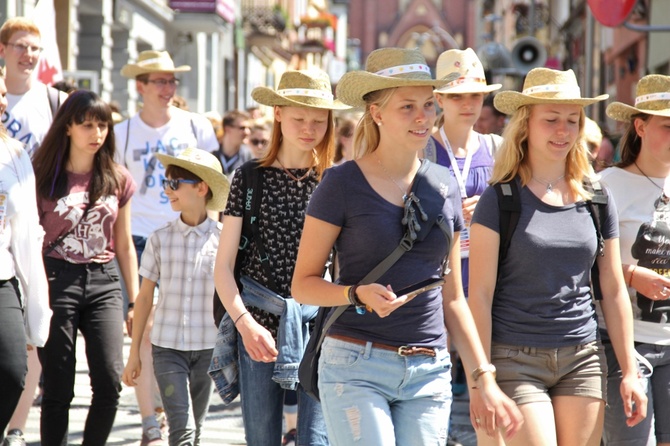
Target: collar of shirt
[[201, 230]]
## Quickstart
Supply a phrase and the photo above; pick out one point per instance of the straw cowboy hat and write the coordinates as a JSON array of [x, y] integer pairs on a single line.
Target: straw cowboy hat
[[151, 61], [304, 88], [652, 97], [387, 68], [207, 167], [545, 86], [592, 132], [471, 77]]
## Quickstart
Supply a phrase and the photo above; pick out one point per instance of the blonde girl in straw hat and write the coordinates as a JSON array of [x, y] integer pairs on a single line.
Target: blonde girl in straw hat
[[384, 371], [300, 149], [640, 184], [534, 310]]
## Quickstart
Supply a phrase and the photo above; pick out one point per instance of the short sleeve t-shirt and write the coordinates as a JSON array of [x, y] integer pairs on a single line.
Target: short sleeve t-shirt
[[371, 229], [92, 239], [542, 297]]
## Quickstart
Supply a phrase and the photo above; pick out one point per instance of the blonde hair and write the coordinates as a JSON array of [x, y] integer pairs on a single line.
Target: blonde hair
[[323, 152], [366, 136], [511, 159]]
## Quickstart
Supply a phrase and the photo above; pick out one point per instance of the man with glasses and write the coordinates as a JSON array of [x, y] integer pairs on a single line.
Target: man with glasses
[[30, 104], [232, 152], [158, 127]]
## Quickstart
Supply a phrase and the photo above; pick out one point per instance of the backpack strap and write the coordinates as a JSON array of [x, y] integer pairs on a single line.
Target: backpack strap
[[53, 95], [597, 207], [195, 132], [509, 204]]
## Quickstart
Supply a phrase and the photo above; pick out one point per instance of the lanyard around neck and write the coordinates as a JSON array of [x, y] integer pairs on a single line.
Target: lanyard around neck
[[461, 177]]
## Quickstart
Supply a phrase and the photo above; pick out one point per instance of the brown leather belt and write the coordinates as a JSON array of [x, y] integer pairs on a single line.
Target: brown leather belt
[[403, 350]]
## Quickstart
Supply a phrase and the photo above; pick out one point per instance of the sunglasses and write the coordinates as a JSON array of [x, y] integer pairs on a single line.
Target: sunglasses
[[174, 184], [258, 142]]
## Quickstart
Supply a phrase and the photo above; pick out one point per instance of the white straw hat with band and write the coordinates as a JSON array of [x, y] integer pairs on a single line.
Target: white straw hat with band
[[471, 77], [207, 167], [387, 68], [304, 88], [545, 86], [652, 97], [151, 61]]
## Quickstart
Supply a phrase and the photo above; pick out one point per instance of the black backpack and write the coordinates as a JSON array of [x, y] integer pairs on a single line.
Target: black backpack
[[509, 203]]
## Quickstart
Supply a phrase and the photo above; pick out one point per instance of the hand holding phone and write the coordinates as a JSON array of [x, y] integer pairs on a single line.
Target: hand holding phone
[[417, 288]]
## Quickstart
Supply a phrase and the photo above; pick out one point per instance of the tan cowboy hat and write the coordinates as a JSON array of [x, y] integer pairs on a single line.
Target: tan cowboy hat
[[471, 77], [652, 97], [151, 61], [545, 86], [207, 167], [304, 88], [387, 68]]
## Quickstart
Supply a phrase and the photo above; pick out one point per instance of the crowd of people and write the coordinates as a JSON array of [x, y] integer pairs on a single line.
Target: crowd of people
[[453, 238]]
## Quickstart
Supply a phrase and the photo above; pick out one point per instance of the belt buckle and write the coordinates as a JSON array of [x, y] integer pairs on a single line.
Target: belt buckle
[[404, 350]]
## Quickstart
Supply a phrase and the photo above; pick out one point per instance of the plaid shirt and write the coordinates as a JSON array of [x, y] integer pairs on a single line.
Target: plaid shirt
[[183, 258]]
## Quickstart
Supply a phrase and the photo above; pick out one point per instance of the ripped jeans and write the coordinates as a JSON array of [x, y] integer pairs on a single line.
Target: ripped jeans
[[375, 397]]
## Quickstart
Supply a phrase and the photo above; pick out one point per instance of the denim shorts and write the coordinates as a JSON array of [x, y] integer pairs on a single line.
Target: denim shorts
[[534, 375]]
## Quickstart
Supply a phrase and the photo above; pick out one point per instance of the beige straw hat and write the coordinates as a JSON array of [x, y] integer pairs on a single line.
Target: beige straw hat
[[305, 88], [387, 68], [207, 167], [545, 86], [652, 97], [151, 61], [592, 132], [471, 77]]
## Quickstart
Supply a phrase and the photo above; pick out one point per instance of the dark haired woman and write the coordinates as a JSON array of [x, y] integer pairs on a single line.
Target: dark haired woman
[[83, 202]]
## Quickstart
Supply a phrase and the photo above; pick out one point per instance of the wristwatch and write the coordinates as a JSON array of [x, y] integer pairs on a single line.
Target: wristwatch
[[484, 368]]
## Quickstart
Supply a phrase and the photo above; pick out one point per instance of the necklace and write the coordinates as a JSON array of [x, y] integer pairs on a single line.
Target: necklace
[[647, 177], [403, 191], [549, 184], [293, 177]]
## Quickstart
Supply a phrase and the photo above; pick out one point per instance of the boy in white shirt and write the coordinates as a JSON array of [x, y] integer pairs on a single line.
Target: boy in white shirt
[[182, 254]]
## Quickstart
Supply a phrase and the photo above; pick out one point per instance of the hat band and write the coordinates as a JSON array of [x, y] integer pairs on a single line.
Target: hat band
[[652, 97], [306, 92], [402, 69], [553, 88], [466, 80], [154, 60]]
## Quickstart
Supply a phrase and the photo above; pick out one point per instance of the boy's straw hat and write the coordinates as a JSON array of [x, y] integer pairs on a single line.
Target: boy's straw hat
[[387, 68], [652, 97], [471, 77], [207, 167], [545, 86], [304, 88], [151, 61]]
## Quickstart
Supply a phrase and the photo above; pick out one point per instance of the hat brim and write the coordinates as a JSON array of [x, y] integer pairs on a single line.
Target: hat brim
[[509, 101], [267, 96], [468, 88], [131, 71], [624, 112], [353, 86], [216, 181]]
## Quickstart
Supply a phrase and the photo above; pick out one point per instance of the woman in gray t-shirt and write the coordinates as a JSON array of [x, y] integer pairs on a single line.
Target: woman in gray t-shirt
[[534, 310]]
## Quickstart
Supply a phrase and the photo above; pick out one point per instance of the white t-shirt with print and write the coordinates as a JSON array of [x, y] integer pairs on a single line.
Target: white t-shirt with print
[[28, 116], [150, 207]]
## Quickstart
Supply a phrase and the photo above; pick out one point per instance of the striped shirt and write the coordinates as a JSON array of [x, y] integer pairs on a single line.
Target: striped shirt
[[183, 258]]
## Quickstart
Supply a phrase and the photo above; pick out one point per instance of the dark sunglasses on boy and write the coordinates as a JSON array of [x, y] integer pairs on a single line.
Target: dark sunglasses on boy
[[174, 184], [258, 142]]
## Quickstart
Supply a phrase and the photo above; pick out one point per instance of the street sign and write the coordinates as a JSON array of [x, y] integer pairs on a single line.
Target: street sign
[[611, 13]]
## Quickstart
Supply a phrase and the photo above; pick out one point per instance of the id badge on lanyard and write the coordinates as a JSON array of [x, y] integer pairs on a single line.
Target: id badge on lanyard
[[461, 178]]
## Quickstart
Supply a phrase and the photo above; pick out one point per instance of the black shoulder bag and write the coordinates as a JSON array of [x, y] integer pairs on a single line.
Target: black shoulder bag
[[427, 199]]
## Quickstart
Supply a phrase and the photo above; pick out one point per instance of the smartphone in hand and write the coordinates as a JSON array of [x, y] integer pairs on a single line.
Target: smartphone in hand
[[419, 287]]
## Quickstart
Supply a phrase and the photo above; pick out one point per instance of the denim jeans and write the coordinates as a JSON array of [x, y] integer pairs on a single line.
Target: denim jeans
[[656, 427], [84, 298], [374, 397], [262, 403], [186, 389], [14, 362]]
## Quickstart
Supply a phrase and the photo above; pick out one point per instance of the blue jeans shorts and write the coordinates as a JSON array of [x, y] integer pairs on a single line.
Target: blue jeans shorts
[[535, 375]]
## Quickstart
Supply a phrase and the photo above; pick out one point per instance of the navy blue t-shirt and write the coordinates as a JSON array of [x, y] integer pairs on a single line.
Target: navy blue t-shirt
[[371, 229], [542, 297]]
